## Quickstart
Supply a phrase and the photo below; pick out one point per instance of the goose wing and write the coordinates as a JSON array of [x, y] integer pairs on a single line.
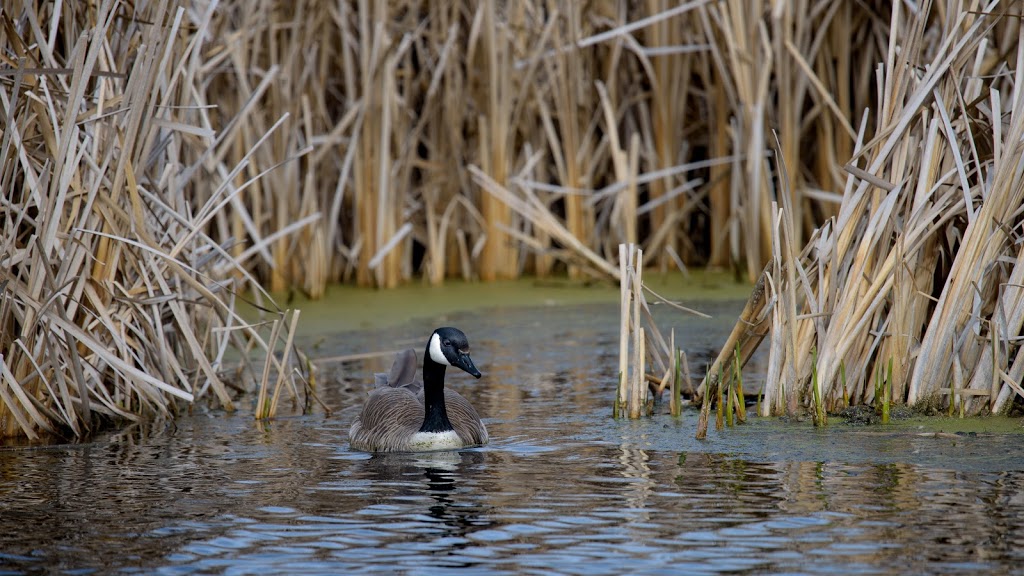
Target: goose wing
[[464, 418], [388, 419]]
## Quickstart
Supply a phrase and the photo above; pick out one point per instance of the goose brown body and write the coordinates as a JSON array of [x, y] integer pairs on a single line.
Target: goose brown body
[[392, 417], [403, 414]]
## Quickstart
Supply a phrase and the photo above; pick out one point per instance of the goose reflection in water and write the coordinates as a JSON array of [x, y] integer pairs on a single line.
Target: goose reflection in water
[[443, 477]]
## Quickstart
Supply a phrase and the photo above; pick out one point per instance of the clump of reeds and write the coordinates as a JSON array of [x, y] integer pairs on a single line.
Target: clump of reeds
[[115, 300], [916, 283], [637, 387]]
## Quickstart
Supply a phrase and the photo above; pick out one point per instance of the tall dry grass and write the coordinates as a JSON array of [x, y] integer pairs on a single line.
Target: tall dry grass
[[117, 289]]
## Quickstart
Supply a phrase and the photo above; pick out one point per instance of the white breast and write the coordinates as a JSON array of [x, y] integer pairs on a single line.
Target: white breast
[[422, 441]]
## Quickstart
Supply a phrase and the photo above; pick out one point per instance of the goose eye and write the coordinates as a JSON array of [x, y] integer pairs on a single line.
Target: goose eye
[[447, 342]]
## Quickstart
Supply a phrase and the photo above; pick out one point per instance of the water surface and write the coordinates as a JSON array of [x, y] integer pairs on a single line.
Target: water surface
[[562, 488]]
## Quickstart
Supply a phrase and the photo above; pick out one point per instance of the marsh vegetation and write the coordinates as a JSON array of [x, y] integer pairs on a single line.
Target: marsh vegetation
[[860, 162]]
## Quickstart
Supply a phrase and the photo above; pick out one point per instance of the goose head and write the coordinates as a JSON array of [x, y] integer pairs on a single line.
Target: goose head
[[449, 347]]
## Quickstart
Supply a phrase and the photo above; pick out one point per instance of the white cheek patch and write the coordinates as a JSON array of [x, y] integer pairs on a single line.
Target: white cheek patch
[[435, 351]]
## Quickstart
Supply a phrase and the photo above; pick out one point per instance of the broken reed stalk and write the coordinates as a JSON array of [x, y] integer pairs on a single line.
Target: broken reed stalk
[[639, 334], [741, 408], [675, 398], [747, 334], [636, 396], [625, 263], [115, 303], [705, 406], [632, 389]]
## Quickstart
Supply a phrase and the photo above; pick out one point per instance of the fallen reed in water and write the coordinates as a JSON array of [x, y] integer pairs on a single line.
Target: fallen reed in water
[[115, 302]]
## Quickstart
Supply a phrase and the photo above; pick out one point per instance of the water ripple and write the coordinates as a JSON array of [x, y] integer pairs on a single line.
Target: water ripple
[[562, 488]]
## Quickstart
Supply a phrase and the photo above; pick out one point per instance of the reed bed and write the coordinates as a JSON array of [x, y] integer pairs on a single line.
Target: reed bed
[[116, 303], [912, 292], [646, 122], [641, 122], [867, 153]]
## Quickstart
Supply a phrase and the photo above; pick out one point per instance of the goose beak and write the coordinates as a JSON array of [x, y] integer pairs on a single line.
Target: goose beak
[[466, 363]]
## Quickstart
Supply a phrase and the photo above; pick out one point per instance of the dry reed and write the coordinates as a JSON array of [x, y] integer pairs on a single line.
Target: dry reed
[[638, 122], [915, 284], [384, 107], [116, 301], [627, 122]]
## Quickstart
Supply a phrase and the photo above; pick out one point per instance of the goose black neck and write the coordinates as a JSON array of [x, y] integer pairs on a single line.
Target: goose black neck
[[435, 418]]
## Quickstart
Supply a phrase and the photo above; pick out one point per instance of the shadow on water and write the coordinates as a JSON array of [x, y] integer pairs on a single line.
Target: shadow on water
[[562, 488]]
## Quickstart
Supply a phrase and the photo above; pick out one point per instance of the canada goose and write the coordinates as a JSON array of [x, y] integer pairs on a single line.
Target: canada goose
[[405, 415]]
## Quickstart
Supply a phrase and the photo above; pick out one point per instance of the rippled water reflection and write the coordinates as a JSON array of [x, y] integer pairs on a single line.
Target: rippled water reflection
[[562, 488]]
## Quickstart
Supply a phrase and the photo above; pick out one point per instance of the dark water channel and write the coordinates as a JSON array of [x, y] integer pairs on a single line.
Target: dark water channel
[[562, 488]]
